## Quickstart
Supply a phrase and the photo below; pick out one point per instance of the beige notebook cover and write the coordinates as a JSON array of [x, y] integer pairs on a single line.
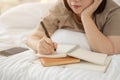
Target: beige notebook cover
[[58, 61]]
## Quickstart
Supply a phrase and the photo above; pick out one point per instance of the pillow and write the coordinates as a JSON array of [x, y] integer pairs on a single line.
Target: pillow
[[71, 37], [25, 16]]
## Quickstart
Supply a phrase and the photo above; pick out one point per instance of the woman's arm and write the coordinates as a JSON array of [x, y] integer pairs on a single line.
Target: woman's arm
[[40, 43], [38, 40], [34, 39], [116, 43], [97, 40]]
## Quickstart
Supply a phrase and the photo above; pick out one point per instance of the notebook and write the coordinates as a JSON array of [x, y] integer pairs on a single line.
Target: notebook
[[78, 57], [58, 61], [90, 66]]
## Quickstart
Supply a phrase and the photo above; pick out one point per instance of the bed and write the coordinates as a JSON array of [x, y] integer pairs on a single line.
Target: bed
[[15, 25]]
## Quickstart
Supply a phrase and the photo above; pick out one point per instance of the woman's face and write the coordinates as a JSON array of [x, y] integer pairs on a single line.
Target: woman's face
[[79, 5]]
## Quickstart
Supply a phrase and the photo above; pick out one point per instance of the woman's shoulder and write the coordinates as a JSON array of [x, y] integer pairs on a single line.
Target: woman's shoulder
[[112, 5], [112, 8]]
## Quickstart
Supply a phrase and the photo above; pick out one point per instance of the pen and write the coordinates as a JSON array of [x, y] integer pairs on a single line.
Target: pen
[[46, 32]]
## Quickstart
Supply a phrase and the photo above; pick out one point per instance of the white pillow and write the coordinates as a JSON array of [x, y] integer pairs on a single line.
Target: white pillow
[[71, 37], [25, 16]]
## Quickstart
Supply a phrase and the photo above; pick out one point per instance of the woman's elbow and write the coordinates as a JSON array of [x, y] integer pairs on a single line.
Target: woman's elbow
[[116, 50], [112, 51], [108, 50]]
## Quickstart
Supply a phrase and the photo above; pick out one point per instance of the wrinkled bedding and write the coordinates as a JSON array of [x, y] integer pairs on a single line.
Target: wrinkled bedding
[[23, 67]]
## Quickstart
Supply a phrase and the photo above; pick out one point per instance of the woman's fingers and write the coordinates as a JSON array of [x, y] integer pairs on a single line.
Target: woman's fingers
[[92, 8], [55, 45], [51, 43], [46, 46]]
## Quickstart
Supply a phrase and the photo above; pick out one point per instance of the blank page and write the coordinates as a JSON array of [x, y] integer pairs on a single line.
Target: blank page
[[97, 58], [61, 51]]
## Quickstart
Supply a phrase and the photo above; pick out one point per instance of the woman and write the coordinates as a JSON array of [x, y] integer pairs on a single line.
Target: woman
[[98, 19]]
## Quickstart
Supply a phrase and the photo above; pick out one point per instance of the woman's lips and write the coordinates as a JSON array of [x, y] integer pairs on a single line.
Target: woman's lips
[[76, 6]]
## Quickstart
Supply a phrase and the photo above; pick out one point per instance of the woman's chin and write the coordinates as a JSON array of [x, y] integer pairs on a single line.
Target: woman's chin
[[77, 12]]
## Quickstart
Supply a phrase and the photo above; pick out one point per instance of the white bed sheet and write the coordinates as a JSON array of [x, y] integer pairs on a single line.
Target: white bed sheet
[[23, 67]]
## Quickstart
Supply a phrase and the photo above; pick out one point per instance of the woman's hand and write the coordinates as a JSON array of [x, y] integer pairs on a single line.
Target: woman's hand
[[46, 46], [92, 8]]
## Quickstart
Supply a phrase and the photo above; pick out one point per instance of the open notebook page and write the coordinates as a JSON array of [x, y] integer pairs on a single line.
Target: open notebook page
[[93, 57], [90, 66], [61, 51]]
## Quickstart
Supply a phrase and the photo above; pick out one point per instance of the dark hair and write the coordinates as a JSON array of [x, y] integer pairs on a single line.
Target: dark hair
[[99, 10]]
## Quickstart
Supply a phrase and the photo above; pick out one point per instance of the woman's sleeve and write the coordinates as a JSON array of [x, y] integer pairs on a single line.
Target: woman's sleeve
[[112, 25], [51, 20]]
